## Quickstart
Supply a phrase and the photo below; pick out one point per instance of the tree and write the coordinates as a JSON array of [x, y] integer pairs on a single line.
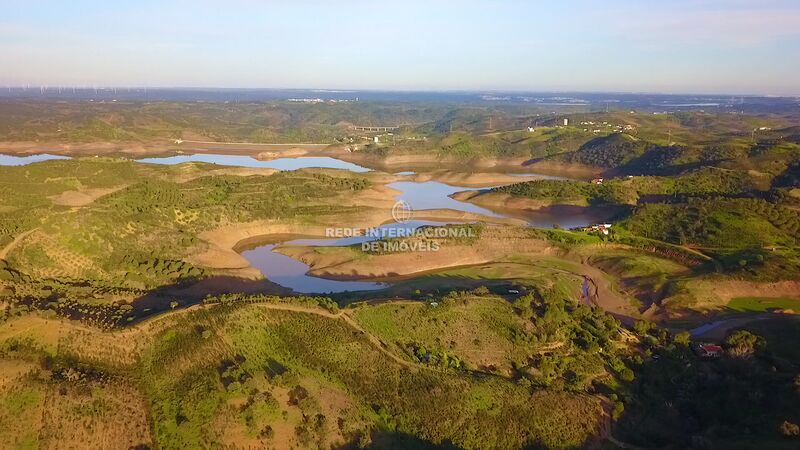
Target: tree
[[627, 375], [683, 338], [790, 430], [744, 343], [642, 327], [619, 408]]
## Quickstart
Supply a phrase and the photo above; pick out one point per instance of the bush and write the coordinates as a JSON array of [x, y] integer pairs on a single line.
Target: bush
[[790, 430], [683, 338], [744, 343]]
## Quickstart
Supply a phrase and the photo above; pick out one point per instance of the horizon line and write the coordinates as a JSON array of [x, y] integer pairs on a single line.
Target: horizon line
[[395, 90]]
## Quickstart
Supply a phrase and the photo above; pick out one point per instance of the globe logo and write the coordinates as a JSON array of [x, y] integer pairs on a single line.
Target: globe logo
[[402, 211]]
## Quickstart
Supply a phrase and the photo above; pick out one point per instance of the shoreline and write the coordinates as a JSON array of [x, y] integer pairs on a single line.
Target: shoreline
[[502, 168]]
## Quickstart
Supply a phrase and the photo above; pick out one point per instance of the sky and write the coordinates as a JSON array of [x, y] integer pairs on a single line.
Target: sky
[[676, 46]]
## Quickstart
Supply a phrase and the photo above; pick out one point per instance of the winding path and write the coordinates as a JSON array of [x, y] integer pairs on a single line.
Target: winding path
[[7, 249], [342, 314]]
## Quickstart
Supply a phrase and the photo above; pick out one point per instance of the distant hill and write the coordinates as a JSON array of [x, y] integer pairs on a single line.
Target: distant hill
[[610, 151]]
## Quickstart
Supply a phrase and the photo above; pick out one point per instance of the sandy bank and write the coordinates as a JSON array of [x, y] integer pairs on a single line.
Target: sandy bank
[[165, 147], [221, 244], [501, 200], [571, 170], [470, 179], [293, 152], [345, 263]]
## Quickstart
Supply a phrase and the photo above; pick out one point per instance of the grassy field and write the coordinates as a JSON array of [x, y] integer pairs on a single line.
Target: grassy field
[[250, 374], [138, 236], [763, 304]]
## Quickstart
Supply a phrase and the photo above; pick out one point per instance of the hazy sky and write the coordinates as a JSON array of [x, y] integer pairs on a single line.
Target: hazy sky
[[714, 46]]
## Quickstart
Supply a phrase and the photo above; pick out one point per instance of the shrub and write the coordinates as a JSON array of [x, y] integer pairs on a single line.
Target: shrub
[[744, 343], [790, 430]]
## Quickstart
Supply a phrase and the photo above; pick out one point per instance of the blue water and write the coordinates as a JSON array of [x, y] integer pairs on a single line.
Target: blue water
[[436, 195], [290, 273], [248, 161], [9, 160], [293, 274]]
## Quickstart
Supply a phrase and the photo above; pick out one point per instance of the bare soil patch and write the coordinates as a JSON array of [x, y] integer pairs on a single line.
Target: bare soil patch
[[82, 197]]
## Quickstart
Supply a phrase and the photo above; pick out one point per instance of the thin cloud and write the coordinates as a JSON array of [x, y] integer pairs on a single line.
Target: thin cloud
[[737, 28]]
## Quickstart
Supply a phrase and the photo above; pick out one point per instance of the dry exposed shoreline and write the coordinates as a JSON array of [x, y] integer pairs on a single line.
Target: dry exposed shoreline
[[502, 200], [223, 244], [343, 266], [423, 162]]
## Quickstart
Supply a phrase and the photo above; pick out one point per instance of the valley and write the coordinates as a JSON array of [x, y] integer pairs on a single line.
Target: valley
[[478, 288]]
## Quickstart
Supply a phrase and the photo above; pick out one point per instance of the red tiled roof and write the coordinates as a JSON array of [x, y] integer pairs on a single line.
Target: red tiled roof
[[711, 348]]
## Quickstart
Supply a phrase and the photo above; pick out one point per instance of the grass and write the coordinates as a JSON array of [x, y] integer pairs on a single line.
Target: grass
[[20, 411], [241, 373], [476, 370], [781, 335], [139, 237], [480, 332], [763, 304]]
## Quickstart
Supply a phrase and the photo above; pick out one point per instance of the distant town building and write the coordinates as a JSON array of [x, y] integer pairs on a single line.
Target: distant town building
[[597, 181], [566, 122], [376, 140]]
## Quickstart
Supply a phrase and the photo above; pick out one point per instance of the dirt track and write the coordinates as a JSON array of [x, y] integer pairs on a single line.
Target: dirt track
[[11, 245]]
